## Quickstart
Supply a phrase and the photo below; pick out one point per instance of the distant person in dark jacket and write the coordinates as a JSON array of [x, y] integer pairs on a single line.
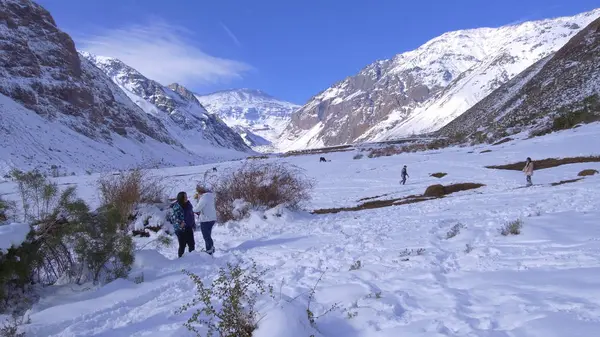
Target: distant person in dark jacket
[[404, 175], [184, 223]]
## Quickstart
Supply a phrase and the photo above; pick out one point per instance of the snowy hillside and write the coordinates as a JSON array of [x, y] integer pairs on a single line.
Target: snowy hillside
[[256, 115], [422, 90], [563, 85], [183, 115], [392, 271], [45, 82]]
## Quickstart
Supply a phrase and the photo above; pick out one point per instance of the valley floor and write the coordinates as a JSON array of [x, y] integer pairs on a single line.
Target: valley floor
[[544, 282]]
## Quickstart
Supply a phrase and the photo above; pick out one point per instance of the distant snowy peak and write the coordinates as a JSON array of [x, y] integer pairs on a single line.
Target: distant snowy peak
[[257, 116], [248, 104], [424, 89]]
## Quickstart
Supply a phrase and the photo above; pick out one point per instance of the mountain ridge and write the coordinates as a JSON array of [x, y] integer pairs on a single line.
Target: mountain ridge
[[405, 94]]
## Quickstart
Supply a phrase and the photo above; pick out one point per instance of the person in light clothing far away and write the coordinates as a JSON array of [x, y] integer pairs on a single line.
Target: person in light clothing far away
[[206, 210], [404, 175], [528, 169]]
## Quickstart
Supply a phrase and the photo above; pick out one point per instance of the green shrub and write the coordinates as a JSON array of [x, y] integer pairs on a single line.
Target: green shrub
[[228, 304]]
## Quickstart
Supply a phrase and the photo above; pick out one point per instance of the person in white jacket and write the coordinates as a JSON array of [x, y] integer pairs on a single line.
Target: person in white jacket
[[206, 210]]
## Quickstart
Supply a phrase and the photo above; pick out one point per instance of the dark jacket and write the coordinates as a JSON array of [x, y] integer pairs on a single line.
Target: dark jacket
[[404, 173], [189, 218]]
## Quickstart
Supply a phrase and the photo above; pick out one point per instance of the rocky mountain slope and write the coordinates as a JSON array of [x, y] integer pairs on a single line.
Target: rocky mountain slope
[[422, 90], [80, 120], [260, 118], [557, 92], [174, 105]]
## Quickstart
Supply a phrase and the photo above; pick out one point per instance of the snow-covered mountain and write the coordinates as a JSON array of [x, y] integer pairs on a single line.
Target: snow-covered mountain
[[422, 90], [175, 106], [260, 118], [58, 109], [565, 84]]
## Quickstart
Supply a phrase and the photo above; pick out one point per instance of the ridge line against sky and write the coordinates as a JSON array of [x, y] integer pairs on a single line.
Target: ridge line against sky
[[291, 50]]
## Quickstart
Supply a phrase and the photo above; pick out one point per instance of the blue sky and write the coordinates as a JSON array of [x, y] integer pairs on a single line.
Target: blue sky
[[291, 49]]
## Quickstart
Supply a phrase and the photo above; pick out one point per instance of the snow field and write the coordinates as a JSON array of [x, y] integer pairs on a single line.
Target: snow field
[[543, 282]]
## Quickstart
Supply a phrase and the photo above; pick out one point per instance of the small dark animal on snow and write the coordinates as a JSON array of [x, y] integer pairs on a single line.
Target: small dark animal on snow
[[214, 169], [322, 159]]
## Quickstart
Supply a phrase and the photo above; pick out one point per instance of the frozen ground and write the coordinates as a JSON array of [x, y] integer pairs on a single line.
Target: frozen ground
[[544, 282]]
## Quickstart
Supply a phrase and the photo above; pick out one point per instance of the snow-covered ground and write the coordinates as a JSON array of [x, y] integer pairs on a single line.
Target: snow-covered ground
[[544, 282]]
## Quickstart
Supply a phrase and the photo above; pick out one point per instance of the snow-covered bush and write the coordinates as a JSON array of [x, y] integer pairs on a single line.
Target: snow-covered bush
[[260, 186], [228, 303], [127, 189]]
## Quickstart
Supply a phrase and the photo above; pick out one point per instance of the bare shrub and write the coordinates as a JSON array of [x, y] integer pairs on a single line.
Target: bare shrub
[[228, 303], [385, 151], [454, 230], [468, 248], [356, 265], [586, 173], [435, 191], [260, 185], [438, 174], [412, 252], [358, 156], [7, 209], [127, 189], [10, 328], [512, 228]]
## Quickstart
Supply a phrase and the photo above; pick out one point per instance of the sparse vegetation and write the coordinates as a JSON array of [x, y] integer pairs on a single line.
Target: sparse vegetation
[[257, 157], [412, 252], [432, 192], [502, 141], [438, 175], [356, 265], [547, 163], [228, 303], [468, 248], [563, 182], [7, 209], [341, 148], [440, 190], [358, 156], [125, 190], [454, 230], [486, 151], [260, 185], [10, 328], [512, 228], [586, 173]]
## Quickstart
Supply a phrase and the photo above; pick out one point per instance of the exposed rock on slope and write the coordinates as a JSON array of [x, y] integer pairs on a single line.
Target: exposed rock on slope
[[422, 90], [556, 92]]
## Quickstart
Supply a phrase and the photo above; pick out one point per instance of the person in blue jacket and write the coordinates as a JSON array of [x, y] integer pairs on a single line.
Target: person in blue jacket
[[184, 223]]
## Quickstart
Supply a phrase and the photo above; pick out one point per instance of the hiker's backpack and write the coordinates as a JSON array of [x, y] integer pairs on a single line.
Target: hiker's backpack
[[171, 217]]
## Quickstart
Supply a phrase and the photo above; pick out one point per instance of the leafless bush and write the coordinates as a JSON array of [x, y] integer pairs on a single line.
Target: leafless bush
[[7, 209], [358, 156], [356, 265], [454, 231], [512, 228], [260, 185], [127, 189]]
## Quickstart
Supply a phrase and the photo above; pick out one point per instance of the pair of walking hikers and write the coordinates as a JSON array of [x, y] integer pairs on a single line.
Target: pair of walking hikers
[[183, 218]]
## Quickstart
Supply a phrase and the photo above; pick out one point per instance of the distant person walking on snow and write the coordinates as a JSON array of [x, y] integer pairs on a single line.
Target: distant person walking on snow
[[528, 169], [207, 212], [404, 175], [182, 218]]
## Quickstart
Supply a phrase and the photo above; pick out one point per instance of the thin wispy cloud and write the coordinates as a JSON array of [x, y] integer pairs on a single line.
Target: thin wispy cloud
[[163, 52], [231, 35]]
